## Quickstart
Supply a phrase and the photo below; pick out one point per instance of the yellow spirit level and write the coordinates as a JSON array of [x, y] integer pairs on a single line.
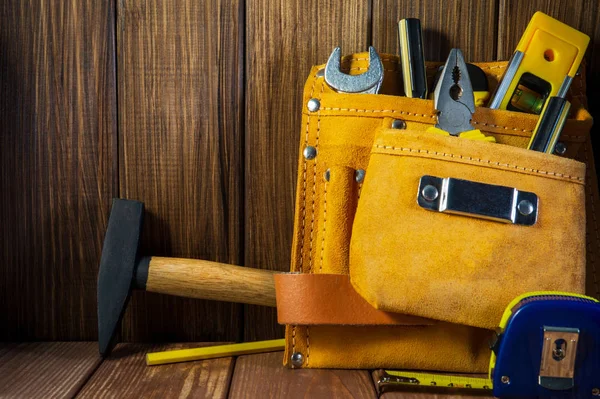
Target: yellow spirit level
[[543, 65]]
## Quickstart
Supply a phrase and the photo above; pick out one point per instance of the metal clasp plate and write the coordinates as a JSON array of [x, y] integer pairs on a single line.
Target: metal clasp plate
[[480, 200], [558, 358]]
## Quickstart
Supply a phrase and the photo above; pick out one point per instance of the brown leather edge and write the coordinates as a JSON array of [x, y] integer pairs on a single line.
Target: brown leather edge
[[330, 299]]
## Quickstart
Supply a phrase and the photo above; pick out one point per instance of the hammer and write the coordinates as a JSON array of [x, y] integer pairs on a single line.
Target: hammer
[[122, 269]]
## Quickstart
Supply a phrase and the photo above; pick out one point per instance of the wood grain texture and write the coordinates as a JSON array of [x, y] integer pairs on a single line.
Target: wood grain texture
[[125, 375], [180, 71], [194, 278], [47, 369], [283, 41], [263, 376], [57, 164], [514, 16], [469, 25], [6, 347]]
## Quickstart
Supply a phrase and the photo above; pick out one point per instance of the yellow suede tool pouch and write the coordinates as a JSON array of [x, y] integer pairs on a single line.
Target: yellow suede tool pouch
[[453, 229], [361, 162]]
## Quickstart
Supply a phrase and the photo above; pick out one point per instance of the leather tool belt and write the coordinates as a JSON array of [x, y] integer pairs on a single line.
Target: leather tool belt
[[388, 276]]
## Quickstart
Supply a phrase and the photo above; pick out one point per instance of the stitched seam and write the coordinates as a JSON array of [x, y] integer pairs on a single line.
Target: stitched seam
[[324, 224], [307, 345], [312, 218], [313, 213], [395, 61], [376, 111], [303, 212], [390, 60], [385, 70], [483, 161], [503, 127], [293, 341], [364, 69], [314, 194], [312, 91], [415, 114], [594, 220], [493, 67]]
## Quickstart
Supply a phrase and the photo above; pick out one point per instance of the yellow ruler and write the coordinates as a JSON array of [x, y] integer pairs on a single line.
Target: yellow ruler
[[409, 378], [212, 352]]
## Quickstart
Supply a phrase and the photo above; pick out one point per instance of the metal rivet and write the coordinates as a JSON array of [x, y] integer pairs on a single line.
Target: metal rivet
[[310, 152], [359, 175], [596, 392], [313, 105], [505, 379], [430, 193], [320, 73], [398, 124], [327, 175], [297, 359], [525, 208], [560, 148], [558, 354]]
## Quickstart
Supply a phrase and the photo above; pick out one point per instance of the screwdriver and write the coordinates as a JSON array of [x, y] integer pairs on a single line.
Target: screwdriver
[[412, 57], [549, 125]]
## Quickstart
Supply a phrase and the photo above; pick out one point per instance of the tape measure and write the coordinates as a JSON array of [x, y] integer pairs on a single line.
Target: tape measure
[[434, 380], [546, 346]]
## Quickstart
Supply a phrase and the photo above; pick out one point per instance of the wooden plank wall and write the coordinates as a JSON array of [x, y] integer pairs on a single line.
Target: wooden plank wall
[[180, 102], [58, 166], [194, 108]]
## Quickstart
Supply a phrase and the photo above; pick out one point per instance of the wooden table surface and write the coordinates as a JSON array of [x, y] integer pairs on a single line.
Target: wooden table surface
[[74, 369]]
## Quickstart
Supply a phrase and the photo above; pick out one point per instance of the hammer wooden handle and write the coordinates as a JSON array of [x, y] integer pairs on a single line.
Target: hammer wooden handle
[[211, 280]]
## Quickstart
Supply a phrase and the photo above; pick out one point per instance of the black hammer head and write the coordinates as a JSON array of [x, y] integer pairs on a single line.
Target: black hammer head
[[117, 267]]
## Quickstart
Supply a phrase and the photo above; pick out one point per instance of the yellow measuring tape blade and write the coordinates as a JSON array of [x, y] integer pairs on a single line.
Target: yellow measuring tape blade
[[212, 352], [439, 380]]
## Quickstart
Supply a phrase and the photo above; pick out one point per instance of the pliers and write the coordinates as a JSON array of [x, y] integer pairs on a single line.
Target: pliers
[[454, 101]]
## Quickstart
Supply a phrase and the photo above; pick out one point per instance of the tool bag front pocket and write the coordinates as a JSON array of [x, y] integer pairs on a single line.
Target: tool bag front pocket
[[453, 229]]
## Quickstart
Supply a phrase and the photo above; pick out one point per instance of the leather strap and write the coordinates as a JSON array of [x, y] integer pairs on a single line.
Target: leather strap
[[330, 299]]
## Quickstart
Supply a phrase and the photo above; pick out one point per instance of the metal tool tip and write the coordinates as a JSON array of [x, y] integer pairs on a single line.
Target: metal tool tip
[[456, 74]]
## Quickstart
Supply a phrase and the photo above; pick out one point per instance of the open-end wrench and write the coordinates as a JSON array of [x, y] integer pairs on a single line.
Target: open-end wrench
[[368, 82]]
